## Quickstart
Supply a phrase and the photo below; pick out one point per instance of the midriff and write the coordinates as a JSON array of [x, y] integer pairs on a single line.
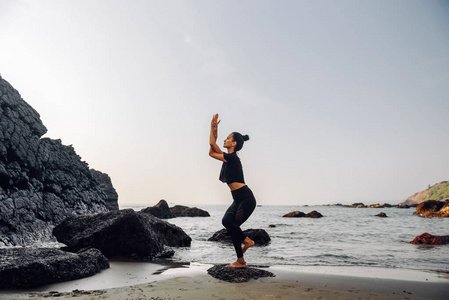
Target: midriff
[[235, 185]]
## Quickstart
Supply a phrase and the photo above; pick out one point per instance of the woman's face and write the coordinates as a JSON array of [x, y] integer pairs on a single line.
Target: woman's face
[[228, 142]]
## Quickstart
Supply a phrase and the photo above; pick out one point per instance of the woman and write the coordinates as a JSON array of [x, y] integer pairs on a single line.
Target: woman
[[244, 201]]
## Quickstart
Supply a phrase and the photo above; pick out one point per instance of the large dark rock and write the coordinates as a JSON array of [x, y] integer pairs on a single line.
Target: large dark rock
[[314, 214], [433, 209], [32, 267], [294, 214], [184, 211], [105, 184], [41, 181], [259, 236], [123, 233], [161, 210], [300, 214], [237, 275], [427, 238]]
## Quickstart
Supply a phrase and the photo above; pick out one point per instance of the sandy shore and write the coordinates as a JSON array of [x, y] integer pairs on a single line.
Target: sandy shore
[[125, 280]]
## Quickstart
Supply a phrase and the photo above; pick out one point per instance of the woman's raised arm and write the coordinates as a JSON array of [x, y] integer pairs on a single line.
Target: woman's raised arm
[[214, 150]]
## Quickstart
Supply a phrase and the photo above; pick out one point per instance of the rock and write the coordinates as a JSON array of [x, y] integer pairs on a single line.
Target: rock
[[357, 205], [259, 236], [106, 186], [294, 214], [32, 267], [237, 275], [314, 214], [160, 210], [184, 211], [123, 233], [433, 209], [382, 215], [427, 238], [402, 206], [272, 226], [41, 181], [300, 214]]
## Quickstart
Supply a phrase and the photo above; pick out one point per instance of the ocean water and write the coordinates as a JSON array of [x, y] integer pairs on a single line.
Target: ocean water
[[343, 237]]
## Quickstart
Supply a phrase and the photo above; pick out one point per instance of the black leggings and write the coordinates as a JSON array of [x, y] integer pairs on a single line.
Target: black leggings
[[239, 211]]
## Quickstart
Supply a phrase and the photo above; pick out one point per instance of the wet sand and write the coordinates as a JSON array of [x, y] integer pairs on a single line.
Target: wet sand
[[125, 280]]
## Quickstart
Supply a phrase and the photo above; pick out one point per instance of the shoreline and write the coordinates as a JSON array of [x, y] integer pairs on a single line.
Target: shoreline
[[132, 280]]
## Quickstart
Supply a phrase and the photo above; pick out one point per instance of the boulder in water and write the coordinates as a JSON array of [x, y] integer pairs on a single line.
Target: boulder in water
[[314, 214], [427, 238], [184, 211], [161, 210], [382, 215], [294, 214], [433, 209]]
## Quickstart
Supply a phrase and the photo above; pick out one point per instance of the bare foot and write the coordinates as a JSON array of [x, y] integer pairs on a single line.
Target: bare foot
[[237, 265], [248, 243]]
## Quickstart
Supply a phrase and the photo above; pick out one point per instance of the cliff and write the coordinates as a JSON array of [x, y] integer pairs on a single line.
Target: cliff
[[439, 191], [41, 181]]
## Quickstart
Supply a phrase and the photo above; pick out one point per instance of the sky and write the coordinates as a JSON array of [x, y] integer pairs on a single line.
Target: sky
[[343, 101]]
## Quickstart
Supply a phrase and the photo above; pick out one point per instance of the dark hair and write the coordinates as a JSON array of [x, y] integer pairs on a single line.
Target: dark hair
[[240, 139]]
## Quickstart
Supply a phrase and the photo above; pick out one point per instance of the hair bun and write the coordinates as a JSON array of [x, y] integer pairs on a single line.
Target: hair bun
[[245, 137]]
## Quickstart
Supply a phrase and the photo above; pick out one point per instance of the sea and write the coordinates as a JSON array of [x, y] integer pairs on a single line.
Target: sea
[[342, 237]]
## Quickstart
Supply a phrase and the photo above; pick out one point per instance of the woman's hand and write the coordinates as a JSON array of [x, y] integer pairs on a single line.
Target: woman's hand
[[215, 121], [214, 126], [214, 150]]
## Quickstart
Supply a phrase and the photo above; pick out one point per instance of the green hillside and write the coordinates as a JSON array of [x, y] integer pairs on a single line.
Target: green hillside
[[438, 191]]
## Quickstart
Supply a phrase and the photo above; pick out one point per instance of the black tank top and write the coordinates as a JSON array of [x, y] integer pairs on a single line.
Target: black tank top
[[231, 170]]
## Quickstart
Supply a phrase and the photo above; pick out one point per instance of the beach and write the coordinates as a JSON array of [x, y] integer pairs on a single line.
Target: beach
[[129, 280]]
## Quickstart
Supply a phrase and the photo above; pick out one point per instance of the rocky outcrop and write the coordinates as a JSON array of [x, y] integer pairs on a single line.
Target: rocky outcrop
[[438, 191], [427, 238], [32, 267], [105, 184], [294, 214], [237, 275], [314, 214], [123, 233], [300, 214], [184, 211], [259, 236], [382, 215], [41, 181], [161, 210], [433, 209]]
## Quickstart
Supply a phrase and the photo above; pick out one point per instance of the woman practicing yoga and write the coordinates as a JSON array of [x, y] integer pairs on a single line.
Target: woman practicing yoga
[[244, 201]]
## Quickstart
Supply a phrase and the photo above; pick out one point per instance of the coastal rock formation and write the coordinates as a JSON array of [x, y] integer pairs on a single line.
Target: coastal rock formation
[[314, 214], [237, 275], [300, 214], [41, 181], [382, 215], [439, 191], [294, 214], [106, 186], [184, 211], [161, 210], [259, 236], [433, 209], [427, 238], [123, 233], [32, 267]]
